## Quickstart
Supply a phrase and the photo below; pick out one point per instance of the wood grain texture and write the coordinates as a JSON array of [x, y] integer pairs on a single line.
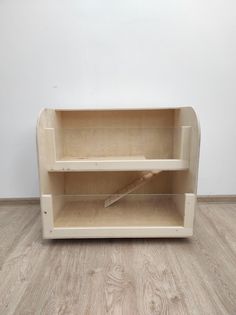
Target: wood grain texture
[[131, 211], [134, 277], [137, 183], [167, 138]]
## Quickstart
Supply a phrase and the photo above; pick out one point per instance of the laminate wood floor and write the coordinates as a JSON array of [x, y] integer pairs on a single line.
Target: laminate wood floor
[[120, 276]]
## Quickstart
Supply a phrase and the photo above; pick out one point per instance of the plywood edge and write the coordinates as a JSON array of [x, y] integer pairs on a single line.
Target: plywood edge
[[118, 108], [39, 128], [119, 165], [124, 232], [197, 144]]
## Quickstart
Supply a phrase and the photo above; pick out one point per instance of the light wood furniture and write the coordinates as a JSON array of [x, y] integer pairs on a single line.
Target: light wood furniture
[[118, 173]]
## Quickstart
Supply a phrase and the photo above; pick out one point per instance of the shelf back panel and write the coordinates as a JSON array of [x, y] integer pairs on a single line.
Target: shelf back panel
[[134, 143], [106, 134], [133, 210], [110, 182]]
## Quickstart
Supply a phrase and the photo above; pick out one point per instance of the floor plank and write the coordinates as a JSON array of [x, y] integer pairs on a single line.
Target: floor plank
[[144, 276]]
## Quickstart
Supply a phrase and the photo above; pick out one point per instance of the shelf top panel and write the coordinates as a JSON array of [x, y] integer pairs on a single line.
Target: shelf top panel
[[117, 108]]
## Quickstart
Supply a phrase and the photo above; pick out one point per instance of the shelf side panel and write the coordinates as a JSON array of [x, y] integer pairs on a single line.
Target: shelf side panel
[[184, 182], [185, 204]]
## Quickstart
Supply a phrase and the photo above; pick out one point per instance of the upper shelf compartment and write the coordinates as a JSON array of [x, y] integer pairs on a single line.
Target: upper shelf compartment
[[115, 140], [117, 148]]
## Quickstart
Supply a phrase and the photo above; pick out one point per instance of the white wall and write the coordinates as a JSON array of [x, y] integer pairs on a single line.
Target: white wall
[[77, 53]]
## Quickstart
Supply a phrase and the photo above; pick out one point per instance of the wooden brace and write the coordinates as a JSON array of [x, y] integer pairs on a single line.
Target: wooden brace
[[130, 187]]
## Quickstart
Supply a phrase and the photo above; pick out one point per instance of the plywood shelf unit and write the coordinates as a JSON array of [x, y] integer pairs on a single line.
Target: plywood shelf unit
[[118, 173]]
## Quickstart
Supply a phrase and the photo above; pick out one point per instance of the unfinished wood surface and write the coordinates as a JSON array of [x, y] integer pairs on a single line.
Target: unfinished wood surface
[[83, 133], [139, 182], [84, 183], [156, 276], [187, 181], [83, 165], [87, 136], [112, 148], [108, 157], [72, 141], [117, 118], [131, 211], [134, 216], [86, 142]]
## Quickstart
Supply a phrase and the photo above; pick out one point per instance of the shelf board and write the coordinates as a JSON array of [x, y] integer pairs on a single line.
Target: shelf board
[[106, 158], [94, 164]]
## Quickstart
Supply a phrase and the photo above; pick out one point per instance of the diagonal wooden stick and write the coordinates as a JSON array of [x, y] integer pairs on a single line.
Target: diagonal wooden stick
[[130, 187]]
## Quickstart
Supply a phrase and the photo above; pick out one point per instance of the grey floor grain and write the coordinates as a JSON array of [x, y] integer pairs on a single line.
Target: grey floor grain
[[86, 277]]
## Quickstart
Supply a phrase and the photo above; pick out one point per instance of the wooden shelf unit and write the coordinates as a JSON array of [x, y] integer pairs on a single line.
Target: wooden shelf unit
[[87, 156]]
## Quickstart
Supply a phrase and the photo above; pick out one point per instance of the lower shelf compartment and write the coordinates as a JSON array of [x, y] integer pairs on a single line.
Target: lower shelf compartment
[[140, 215], [132, 210]]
